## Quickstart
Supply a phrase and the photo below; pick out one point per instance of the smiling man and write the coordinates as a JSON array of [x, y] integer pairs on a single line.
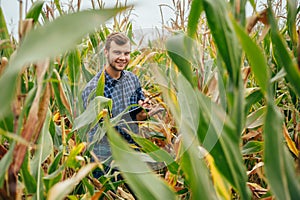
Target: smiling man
[[123, 87]]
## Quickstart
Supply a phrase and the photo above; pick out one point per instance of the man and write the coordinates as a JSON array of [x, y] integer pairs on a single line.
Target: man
[[123, 87]]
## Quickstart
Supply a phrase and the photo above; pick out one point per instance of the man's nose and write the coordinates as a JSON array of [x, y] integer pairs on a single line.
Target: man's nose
[[122, 56]]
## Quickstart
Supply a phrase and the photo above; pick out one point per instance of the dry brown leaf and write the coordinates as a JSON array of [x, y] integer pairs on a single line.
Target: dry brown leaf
[[254, 169], [3, 64], [238, 6], [298, 31], [290, 143], [3, 151], [251, 134], [24, 27], [41, 68], [177, 145], [97, 195], [256, 189], [264, 33], [49, 11], [124, 194], [252, 21], [245, 74], [32, 126], [62, 93], [212, 88], [56, 118]]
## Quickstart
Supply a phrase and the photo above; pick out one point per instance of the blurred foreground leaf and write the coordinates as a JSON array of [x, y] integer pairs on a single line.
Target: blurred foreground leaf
[[144, 183], [179, 48], [62, 189], [193, 163], [279, 165]]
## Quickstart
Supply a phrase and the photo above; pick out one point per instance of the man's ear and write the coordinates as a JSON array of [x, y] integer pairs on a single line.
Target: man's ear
[[105, 52]]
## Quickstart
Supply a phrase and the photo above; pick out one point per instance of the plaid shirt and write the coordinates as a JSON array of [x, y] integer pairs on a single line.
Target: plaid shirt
[[124, 92]]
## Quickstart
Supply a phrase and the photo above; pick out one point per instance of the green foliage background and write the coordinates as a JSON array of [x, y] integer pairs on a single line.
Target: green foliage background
[[229, 85]]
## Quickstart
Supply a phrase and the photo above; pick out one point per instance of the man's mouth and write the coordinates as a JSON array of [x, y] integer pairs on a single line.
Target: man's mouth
[[121, 63]]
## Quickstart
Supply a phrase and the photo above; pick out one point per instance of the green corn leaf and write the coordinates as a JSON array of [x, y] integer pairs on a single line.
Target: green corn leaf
[[35, 10], [224, 36], [91, 114], [196, 173], [283, 56], [194, 16], [106, 30], [193, 163], [55, 174], [157, 153], [218, 136], [57, 4], [7, 49], [256, 118], [253, 3], [51, 180], [71, 160], [180, 51], [60, 94], [256, 58], [102, 35], [29, 180], [89, 186], [74, 66], [94, 40], [54, 165], [7, 122], [253, 97], [239, 10], [100, 85], [45, 147], [49, 40], [130, 33], [252, 147], [144, 183], [279, 164], [86, 74], [5, 163], [291, 23], [169, 94], [60, 190]]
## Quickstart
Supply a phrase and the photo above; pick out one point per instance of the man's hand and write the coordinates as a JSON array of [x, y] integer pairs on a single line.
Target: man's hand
[[148, 110]]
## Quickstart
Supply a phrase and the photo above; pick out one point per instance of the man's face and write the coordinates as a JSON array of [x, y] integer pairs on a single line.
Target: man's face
[[118, 56]]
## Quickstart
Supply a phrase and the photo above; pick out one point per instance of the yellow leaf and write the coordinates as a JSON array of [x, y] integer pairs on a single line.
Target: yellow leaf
[[221, 186], [291, 144]]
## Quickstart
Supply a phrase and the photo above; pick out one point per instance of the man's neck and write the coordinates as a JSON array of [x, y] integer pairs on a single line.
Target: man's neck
[[113, 73]]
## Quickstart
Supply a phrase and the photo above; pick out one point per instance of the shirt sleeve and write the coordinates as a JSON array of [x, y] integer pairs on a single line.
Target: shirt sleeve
[[88, 90], [140, 94], [139, 91]]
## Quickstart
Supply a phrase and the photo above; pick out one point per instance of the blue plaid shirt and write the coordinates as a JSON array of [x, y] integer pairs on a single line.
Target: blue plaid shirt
[[124, 92]]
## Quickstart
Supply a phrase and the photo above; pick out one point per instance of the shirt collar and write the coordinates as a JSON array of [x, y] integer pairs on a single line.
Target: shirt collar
[[111, 81]]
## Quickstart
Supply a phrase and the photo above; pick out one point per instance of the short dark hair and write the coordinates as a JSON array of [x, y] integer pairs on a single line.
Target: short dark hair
[[118, 37]]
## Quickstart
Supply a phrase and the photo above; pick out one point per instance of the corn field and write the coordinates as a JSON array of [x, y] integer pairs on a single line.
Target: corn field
[[229, 85]]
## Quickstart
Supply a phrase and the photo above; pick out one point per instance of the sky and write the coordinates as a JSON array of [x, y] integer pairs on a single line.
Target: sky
[[145, 15]]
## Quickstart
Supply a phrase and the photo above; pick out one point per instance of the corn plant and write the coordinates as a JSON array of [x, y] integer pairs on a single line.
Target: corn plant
[[228, 86]]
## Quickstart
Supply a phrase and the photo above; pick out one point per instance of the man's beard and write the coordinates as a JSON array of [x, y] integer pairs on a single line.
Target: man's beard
[[111, 64], [115, 68]]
